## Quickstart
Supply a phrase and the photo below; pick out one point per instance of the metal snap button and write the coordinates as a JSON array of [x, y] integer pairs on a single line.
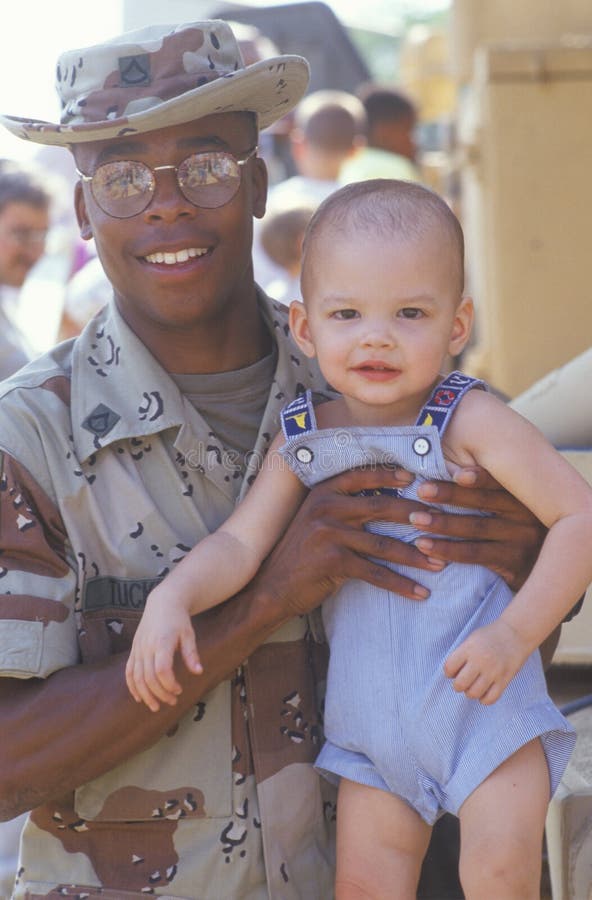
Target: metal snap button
[[304, 455], [421, 446]]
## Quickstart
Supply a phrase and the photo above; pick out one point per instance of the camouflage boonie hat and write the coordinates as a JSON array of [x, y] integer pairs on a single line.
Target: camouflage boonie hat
[[160, 76]]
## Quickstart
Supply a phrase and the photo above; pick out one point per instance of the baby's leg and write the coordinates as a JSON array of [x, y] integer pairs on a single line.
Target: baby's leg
[[381, 843], [502, 824]]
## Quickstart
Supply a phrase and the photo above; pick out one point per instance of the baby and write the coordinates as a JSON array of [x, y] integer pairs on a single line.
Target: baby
[[431, 706]]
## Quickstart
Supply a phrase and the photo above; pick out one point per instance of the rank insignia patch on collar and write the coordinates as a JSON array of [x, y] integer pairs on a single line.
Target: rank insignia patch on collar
[[101, 420]]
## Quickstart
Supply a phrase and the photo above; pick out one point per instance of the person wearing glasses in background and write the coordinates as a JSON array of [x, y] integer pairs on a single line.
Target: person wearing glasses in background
[[125, 446], [24, 223]]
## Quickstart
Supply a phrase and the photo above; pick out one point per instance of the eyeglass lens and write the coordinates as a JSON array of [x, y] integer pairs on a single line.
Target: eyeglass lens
[[124, 188]]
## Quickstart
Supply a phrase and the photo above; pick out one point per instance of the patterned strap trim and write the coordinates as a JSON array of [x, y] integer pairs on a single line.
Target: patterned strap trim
[[444, 400], [298, 416]]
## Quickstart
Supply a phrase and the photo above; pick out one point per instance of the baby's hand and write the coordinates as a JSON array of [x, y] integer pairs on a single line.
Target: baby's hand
[[163, 629], [485, 663]]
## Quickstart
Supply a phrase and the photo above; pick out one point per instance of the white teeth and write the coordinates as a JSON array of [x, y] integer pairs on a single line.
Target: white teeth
[[180, 256]]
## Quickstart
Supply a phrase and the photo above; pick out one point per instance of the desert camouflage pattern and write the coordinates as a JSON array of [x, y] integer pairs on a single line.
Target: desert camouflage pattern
[[135, 76], [108, 477], [163, 75]]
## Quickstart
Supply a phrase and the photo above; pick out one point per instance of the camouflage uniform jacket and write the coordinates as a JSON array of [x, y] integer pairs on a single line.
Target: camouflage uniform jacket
[[108, 476]]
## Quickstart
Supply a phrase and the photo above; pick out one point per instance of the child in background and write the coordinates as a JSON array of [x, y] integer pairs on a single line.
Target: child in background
[[431, 706], [281, 233]]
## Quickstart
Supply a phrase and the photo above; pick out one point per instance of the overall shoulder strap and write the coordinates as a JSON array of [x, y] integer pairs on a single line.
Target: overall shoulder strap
[[298, 416], [440, 406]]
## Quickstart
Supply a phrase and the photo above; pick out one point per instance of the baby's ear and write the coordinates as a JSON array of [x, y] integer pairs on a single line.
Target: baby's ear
[[300, 329], [461, 327]]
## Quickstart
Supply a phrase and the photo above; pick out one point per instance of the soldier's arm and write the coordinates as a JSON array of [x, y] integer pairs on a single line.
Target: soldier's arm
[[79, 722]]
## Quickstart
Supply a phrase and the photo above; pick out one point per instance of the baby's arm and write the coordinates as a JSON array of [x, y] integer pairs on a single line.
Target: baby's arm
[[216, 569], [486, 431]]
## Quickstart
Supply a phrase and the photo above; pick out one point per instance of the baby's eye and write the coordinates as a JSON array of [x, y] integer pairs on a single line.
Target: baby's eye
[[410, 312], [344, 314]]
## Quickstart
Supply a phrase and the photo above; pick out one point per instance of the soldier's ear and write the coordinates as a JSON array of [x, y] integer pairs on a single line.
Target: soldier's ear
[[84, 225], [300, 328]]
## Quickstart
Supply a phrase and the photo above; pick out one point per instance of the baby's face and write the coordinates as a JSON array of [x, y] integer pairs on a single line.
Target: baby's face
[[382, 315]]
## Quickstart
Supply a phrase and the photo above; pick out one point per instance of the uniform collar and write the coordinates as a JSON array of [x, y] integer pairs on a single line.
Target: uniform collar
[[120, 391]]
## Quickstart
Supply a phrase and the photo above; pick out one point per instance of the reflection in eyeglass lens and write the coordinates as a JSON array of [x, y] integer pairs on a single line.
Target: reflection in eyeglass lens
[[122, 180], [207, 169]]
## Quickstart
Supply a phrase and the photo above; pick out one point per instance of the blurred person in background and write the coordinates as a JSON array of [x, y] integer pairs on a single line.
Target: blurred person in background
[[391, 148], [282, 233], [329, 126], [25, 202]]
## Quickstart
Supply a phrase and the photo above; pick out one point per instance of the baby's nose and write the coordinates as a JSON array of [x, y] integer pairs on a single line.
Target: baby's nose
[[379, 336]]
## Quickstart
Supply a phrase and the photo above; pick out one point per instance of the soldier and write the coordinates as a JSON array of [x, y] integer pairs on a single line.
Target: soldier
[[128, 444]]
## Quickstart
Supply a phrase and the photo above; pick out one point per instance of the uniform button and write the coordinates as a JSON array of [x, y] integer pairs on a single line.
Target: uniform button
[[421, 446], [304, 455]]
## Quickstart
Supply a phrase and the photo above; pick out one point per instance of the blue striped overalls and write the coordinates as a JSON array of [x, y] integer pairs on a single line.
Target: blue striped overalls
[[392, 719]]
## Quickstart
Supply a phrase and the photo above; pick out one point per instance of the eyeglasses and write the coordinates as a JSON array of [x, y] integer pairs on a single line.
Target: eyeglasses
[[125, 188]]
